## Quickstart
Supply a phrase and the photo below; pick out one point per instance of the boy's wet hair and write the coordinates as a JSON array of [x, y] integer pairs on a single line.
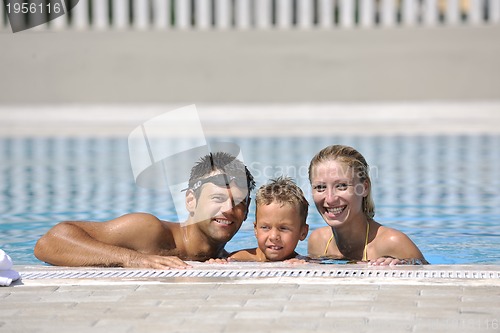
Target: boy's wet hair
[[353, 159], [283, 190], [221, 163]]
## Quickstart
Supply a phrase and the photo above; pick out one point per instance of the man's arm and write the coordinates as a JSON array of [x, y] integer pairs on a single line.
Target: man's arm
[[132, 240]]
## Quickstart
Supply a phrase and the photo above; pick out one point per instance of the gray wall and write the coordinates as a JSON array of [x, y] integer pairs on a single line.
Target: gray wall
[[405, 64]]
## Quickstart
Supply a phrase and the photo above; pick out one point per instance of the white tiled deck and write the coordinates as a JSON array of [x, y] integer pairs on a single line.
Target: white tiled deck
[[381, 299]]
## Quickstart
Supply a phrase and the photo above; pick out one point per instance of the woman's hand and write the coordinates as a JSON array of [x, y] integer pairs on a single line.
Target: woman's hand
[[390, 261], [385, 261]]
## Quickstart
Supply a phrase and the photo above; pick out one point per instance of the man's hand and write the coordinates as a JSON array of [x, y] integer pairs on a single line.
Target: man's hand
[[157, 262]]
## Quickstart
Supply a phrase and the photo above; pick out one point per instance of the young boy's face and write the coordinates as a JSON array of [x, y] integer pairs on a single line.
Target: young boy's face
[[278, 228]]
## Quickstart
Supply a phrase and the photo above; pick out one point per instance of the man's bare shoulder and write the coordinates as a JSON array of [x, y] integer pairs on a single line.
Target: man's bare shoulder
[[143, 230], [144, 220], [137, 217]]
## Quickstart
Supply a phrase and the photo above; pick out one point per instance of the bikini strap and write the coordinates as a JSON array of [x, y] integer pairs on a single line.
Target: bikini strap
[[328, 244], [365, 250]]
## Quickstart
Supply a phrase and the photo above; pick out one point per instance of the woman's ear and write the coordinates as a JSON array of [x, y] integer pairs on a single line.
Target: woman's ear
[[190, 201], [304, 231], [366, 186]]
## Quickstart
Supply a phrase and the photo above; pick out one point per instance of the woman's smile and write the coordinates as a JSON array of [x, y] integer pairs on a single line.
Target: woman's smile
[[335, 211]]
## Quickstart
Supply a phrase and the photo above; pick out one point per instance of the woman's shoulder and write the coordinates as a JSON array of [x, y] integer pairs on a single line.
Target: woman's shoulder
[[388, 234], [392, 242], [318, 241], [321, 234]]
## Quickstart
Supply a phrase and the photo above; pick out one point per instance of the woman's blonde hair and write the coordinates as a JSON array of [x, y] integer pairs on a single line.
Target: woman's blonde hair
[[352, 158]]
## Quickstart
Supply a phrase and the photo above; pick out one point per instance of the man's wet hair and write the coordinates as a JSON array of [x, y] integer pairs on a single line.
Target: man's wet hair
[[221, 163]]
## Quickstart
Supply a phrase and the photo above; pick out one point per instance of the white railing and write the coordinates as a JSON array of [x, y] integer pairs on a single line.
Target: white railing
[[269, 14]]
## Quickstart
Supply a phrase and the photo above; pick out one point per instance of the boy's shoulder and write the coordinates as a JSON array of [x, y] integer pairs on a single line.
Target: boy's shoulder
[[245, 255]]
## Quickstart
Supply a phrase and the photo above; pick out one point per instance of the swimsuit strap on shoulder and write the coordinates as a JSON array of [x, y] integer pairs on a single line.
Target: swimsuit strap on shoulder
[[365, 251], [328, 244]]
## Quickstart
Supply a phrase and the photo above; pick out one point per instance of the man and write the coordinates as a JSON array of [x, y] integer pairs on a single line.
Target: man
[[217, 201]]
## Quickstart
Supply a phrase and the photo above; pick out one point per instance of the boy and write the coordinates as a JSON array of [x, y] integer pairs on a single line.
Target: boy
[[217, 200], [280, 222]]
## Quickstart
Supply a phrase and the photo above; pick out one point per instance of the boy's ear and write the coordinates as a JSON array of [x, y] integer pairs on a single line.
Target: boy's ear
[[255, 228], [190, 201], [304, 231]]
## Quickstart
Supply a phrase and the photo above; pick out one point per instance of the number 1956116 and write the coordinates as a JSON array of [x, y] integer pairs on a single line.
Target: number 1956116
[[33, 8]]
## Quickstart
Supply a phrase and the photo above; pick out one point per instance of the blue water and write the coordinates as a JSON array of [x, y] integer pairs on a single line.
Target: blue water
[[442, 191]]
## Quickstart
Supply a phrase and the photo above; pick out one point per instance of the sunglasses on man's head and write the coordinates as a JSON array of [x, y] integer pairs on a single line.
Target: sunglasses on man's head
[[221, 180]]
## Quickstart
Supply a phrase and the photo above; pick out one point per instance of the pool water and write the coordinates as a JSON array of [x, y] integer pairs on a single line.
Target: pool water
[[442, 191]]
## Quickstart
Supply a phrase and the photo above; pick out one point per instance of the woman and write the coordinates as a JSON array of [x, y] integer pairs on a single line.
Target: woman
[[341, 190]]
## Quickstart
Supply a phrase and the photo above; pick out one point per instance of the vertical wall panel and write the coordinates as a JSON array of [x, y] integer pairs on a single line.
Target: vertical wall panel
[[347, 8], [325, 13], [203, 15], [182, 14], [3, 19], [100, 14], [305, 14], [120, 13], [452, 12], [475, 15], [367, 13], [243, 14], [141, 14], [388, 13], [80, 15], [409, 12], [222, 14], [430, 12], [494, 11], [161, 14], [263, 14], [284, 14]]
